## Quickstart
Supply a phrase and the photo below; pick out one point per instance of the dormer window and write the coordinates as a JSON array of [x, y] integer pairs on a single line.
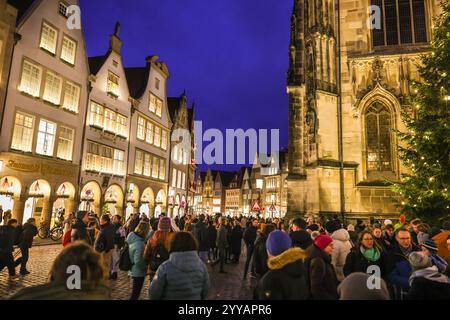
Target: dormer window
[[49, 36], [113, 84]]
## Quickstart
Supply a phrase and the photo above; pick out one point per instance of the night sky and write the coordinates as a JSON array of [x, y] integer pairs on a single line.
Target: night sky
[[231, 56]]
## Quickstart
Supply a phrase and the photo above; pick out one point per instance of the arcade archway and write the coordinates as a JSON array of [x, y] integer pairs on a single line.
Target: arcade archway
[[132, 200], [65, 201], [90, 197], [10, 188], [160, 203], [113, 200], [37, 204], [147, 202]]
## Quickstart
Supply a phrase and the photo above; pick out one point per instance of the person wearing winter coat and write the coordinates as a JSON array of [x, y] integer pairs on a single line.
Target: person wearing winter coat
[[249, 237], [236, 241], [441, 241], [119, 242], [184, 276], [29, 231], [299, 236], [426, 282], [212, 237], [341, 247], [201, 234], [104, 243], [366, 253], [389, 236], [136, 243], [157, 248], [354, 287], [398, 269], [260, 256], [93, 285], [79, 229], [8, 238], [322, 277], [430, 249], [222, 243], [287, 277], [377, 235]]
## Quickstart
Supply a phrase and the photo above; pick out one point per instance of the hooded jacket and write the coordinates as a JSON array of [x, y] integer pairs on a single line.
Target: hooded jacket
[[398, 269], [79, 232], [105, 239], [29, 231], [260, 256], [183, 277], [341, 248], [136, 249], [287, 278], [429, 284]]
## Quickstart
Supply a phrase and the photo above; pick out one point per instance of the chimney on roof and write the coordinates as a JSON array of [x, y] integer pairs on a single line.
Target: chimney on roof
[[151, 59], [115, 42]]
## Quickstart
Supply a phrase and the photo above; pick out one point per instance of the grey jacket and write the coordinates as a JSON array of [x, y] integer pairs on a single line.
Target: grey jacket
[[183, 277], [222, 241]]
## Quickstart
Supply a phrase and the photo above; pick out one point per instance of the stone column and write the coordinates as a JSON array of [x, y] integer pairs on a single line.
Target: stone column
[[18, 208], [47, 205], [69, 205]]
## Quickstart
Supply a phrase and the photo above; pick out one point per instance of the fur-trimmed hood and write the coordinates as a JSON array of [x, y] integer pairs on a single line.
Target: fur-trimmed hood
[[289, 256]]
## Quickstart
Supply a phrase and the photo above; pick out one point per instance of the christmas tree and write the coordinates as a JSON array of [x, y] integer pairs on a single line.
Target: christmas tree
[[425, 145]]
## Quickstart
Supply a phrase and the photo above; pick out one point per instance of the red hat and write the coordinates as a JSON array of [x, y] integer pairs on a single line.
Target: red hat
[[402, 218], [323, 241]]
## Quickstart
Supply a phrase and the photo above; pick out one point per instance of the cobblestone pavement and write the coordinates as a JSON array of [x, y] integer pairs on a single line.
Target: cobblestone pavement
[[228, 286]]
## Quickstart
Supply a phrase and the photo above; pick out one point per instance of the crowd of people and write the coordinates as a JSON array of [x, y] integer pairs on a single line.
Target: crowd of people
[[290, 260]]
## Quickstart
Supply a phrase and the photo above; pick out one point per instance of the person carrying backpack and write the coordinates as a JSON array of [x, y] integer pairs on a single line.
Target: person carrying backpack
[[157, 249]]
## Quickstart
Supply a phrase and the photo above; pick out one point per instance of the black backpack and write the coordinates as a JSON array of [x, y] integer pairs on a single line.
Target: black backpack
[[125, 263], [158, 255]]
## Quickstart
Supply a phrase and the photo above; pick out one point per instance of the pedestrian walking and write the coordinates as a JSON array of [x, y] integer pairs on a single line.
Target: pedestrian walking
[[119, 242], [202, 237], [136, 243], [29, 231], [104, 243], [222, 244], [8, 238], [287, 277], [212, 237], [79, 229], [236, 241], [184, 276], [341, 247], [260, 256], [157, 249], [249, 237]]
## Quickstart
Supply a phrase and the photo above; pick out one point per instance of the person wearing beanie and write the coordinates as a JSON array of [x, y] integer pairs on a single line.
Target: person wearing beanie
[[287, 275], [430, 249], [299, 236], [389, 236], [387, 222], [352, 233], [260, 257], [354, 287], [164, 224], [441, 241], [79, 229], [341, 246], [360, 226], [426, 282], [322, 277]]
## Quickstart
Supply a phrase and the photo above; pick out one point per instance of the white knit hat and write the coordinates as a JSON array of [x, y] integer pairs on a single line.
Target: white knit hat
[[387, 222]]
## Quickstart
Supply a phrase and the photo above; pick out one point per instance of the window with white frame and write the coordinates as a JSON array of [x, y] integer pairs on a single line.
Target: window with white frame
[[110, 120], [46, 137], [113, 83], [164, 140], [147, 164], [174, 178], [68, 50], [157, 137], [119, 162], [122, 125], [149, 132], [106, 161], [138, 161], [30, 81], [23, 132], [96, 115], [155, 105], [92, 156], [141, 128], [71, 96], [155, 167], [49, 36], [65, 143], [162, 169], [53, 88], [179, 180]]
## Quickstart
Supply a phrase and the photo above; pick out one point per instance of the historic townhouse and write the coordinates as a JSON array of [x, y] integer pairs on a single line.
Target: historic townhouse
[[192, 166], [275, 188], [221, 182], [198, 196], [208, 191], [347, 87], [233, 205], [149, 150], [257, 187], [105, 149], [246, 192], [44, 112]]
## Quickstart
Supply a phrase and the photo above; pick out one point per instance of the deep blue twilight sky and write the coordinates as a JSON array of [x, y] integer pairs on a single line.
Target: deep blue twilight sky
[[231, 56]]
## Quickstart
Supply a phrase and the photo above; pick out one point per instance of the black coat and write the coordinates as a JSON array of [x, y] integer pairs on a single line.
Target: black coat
[[322, 277], [29, 231], [250, 235], [301, 239], [260, 256], [236, 240], [212, 236], [425, 289], [8, 238], [356, 262], [105, 239], [201, 233], [287, 278], [79, 232]]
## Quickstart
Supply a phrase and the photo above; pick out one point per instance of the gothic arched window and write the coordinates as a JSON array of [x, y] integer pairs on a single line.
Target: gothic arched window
[[402, 22], [378, 138]]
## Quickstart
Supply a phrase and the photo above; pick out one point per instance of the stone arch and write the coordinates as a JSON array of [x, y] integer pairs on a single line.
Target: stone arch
[[90, 197], [147, 202], [38, 204], [132, 203], [114, 200], [10, 190], [65, 198]]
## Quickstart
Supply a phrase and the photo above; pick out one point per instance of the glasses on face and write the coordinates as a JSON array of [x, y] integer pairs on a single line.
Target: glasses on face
[[404, 239]]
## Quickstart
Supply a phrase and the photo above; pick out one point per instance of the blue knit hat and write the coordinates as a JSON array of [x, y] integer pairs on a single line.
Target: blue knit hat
[[430, 245], [278, 242]]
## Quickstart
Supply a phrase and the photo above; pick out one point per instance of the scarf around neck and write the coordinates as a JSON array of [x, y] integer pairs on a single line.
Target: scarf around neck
[[430, 273], [370, 254]]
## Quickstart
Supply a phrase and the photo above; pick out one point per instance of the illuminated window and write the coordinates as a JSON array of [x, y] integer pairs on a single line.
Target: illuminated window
[[141, 128], [46, 138], [96, 116], [30, 82], [106, 161], [49, 37], [183, 183], [68, 50], [65, 143], [138, 161], [162, 169], [179, 179], [23, 132], [149, 132], [71, 96], [378, 136], [113, 84], [155, 167], [53, 88], [122, 126], [155, 105], [119, 162], [164, 140], [174, 178], [110, 120], [157, 137], [147, 164]]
